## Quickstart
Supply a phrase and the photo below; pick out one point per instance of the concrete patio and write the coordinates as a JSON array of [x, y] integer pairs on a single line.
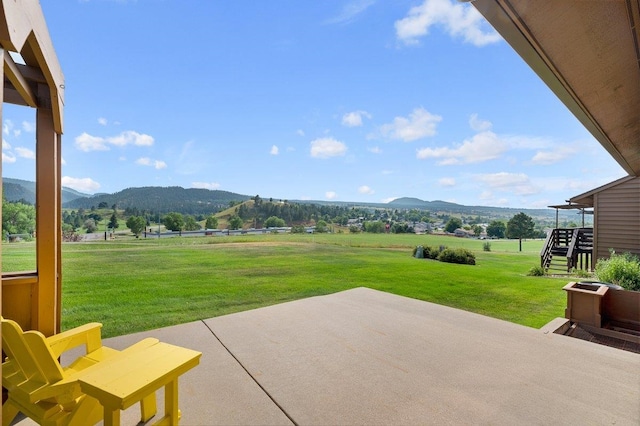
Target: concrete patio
[[367, 357]]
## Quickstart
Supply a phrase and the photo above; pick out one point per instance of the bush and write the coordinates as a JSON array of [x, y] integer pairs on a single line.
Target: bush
[[297, 229], [581, 273], [623, 270], [536, 271], [459, 255], [429, 252], [486, 246]]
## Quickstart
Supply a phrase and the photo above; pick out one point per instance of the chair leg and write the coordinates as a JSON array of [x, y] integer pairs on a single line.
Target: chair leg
[[9, 412], [87, 412], [148, 407]]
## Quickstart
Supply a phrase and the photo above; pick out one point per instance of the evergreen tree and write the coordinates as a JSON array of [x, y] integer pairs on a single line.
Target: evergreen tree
[[113, 222]]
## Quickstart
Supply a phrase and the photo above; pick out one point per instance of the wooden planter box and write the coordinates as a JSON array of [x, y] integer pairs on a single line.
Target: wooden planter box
[[597, 305], [584, 303]]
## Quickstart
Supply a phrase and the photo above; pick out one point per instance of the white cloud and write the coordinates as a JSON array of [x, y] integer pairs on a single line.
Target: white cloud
[[458, 20], [479, 125], [8, 158], [28, 127], [25, 153], [327, 148], [86, 142], [131, 137], [274, 150], [374, 150], [146, 161], [102, 121], [447, 182], [5, 144], [364, 189], [300, 132], [481, 147], [517, 183], [420, 124], [350, 11], [354, 118], [80, 184], [554, 156], [205, 185], [330, 195]]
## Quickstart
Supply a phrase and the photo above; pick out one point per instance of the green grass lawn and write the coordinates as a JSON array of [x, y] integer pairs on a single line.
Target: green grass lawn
[[133, 285]]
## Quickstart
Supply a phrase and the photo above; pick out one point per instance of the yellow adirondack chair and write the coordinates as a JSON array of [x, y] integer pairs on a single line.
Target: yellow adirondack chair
[[44, 390]]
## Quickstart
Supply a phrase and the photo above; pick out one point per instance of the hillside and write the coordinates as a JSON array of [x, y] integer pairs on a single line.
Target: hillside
[[162, 199], [203, 201], [18, 189]]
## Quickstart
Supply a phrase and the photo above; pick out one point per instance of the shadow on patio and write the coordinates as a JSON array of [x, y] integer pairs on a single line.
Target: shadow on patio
[[368, 357]]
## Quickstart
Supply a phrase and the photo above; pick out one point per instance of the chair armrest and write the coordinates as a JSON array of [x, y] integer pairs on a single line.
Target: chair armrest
[[87, 334]]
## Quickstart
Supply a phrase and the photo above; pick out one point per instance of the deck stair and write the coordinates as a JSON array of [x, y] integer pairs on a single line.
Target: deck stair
[[566, 249]]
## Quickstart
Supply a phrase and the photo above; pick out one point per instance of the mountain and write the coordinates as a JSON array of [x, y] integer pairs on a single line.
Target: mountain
[[162, 199], [204, 201], [18, 189]]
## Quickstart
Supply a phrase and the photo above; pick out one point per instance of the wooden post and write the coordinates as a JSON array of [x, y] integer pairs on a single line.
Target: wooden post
[[2, 53], [47, 295]]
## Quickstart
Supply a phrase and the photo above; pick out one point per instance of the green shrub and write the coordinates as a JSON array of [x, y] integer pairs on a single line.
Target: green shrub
[[621, 269], [459, 255], [297, 229], [536, 271], [486, 246], [581, 273], [433, 252]]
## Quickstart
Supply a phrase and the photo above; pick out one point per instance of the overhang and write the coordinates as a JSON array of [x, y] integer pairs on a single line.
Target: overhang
[[587, 52], [39, 82], [588, 197]]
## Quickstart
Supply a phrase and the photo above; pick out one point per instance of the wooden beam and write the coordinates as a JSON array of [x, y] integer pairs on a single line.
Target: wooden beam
[[2, 54], [48, 227], [20, 83]]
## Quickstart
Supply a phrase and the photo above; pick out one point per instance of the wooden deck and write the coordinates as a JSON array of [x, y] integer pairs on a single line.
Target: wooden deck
[[566, 249]]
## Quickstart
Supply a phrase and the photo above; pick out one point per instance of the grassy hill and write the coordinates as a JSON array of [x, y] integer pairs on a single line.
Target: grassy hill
[[162, 199], [18, 189]]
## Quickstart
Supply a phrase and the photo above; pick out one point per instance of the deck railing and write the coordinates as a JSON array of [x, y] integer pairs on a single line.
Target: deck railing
[[574, 244]]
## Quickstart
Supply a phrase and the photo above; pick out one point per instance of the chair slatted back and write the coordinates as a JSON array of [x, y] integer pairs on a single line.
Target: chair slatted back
[[28, 357]]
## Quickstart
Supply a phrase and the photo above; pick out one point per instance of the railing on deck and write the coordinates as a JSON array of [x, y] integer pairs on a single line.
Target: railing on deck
[[574, 244]]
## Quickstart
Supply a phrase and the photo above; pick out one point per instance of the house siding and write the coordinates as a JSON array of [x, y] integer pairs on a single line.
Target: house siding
[[617, 219]]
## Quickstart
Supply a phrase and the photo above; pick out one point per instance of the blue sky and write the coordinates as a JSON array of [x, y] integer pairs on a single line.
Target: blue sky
[[361, 100]]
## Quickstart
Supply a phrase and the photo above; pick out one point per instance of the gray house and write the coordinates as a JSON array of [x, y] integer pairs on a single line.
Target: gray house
[[616, 216]]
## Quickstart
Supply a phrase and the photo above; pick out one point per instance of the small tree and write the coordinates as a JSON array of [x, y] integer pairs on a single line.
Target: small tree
[[375, 227], [235, 222], [211, 223], [496, 229], [90, 225], [274, 222], [321, 226], [453, 224], [113, 222], [136, 224], [520, 226], [18, 218], [190, 224], [173, 221]]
